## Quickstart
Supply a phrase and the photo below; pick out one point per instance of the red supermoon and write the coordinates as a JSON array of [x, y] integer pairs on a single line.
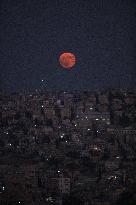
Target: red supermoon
[[67, 60]]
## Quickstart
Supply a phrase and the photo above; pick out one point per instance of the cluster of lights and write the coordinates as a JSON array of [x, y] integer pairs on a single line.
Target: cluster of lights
[[112, 177], [49, 199], [62, 136]]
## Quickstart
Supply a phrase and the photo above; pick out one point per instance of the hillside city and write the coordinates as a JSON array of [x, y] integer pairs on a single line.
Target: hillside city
[[68, 147]]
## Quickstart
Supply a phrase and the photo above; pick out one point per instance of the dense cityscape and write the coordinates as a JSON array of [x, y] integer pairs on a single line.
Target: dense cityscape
[[68, 148]]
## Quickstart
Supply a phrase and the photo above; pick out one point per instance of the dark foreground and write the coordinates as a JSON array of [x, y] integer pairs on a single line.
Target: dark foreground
[[68, 148]]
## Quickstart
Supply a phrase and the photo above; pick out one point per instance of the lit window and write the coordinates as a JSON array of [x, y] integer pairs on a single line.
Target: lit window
[[95, 148]]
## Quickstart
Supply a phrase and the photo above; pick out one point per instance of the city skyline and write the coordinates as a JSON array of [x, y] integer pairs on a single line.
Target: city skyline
[[67, 148]]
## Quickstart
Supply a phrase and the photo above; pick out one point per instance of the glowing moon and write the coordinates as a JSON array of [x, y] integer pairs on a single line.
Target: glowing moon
[[67, 60]]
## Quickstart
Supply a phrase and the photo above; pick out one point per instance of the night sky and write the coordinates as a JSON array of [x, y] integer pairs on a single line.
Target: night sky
[[100, 33]]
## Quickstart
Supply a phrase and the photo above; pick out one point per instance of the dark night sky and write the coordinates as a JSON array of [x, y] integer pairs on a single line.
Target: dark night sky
[[100, 33]]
